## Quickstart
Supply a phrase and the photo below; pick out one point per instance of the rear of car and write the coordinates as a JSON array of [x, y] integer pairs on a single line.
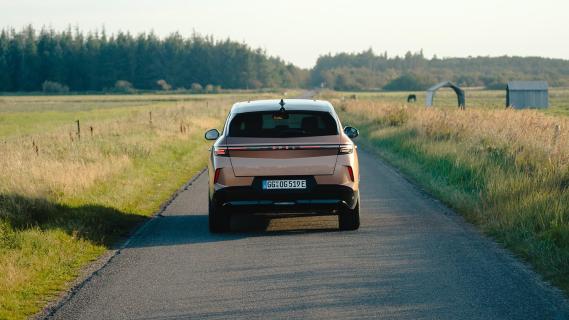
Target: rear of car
[[291, 156]]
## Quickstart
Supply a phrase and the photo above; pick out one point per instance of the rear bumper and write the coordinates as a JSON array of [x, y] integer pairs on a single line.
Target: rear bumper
[[319, 198]]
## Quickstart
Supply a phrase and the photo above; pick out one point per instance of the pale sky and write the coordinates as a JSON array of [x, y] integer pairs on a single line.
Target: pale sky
[[300, 30]]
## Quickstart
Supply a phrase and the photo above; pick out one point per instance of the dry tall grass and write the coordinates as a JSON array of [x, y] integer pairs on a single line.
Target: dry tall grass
[[506, 170], [541, 135], [64, 165]]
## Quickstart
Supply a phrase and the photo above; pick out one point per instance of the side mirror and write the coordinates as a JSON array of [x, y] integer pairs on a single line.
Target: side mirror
[[351, 132], [212, 134]]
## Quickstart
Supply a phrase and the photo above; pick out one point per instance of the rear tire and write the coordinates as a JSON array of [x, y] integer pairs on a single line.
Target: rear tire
[[219, 219], [349, 219]]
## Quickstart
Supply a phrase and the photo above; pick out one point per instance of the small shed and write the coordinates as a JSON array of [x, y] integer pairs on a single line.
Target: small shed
[[527, 94], [445, 84]]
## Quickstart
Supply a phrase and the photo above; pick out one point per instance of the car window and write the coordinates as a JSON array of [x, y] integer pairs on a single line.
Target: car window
[[283, 125]]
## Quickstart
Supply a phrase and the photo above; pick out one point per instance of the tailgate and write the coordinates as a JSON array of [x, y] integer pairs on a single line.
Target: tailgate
[[283, 157]]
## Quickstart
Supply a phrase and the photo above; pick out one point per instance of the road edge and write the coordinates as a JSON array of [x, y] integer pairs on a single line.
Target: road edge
[[92, 269]]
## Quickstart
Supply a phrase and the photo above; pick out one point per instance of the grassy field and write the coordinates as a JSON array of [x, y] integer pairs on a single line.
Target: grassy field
[[446, 98], [506, 171], [64, 200]]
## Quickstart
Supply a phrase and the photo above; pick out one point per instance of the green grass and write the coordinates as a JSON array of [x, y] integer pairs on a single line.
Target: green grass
[[506, 171], [64, 205]]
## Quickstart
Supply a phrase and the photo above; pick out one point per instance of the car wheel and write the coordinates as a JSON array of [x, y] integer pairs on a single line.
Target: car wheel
[[349, 219], [219, 219]]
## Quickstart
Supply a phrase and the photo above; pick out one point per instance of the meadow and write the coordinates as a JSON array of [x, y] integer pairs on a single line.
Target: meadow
[[507, 171], [446, 98], [66, 198]]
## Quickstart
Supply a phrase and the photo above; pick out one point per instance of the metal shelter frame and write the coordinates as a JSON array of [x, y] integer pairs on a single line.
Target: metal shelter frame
[[445, 84]]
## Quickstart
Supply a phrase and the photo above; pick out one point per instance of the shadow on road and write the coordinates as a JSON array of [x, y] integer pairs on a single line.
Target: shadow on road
[[193, 229]]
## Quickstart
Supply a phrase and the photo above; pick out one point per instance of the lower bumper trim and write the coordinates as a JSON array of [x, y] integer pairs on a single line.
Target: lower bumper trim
[[321, 198]]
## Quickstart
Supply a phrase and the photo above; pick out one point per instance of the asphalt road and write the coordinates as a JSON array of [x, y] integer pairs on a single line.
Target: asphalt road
[[411, 259]]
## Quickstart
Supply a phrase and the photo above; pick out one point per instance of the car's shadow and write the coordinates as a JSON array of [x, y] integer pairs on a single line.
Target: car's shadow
[[191, 229]]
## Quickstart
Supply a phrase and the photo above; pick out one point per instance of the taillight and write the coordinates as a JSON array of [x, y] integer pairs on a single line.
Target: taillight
[[216, 175], [350, 171], [346, 149], [221, 151]]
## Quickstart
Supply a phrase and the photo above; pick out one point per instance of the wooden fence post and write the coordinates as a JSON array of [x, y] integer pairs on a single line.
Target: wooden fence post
[[78, 130], [35, 148]]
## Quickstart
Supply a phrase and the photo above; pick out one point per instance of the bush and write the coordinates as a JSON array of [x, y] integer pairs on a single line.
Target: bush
[[406, 82], [209, 88], [164, 85], [124, 86], [196, 87], [54, 87]]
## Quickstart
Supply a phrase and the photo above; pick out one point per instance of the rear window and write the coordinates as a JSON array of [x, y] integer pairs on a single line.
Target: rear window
[[268, 124]]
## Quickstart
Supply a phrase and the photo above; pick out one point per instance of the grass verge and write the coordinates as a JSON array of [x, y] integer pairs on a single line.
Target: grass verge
[[506, 171]]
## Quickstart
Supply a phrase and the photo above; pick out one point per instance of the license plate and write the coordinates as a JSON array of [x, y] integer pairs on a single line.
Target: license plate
[[284, 184]]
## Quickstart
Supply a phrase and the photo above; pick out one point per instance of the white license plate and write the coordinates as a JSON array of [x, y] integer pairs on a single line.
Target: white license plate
[[284, 184]]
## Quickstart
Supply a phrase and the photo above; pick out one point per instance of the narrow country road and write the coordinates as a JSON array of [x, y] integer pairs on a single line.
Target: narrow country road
[[411, 259]]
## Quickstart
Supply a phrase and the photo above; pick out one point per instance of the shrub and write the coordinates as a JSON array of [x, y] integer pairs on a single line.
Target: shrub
[[164, 85], [123, 86], [196, 87], [209, 88], [54, 87]]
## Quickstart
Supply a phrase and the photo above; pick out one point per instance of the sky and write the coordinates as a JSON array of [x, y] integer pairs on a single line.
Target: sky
[[299, 31]]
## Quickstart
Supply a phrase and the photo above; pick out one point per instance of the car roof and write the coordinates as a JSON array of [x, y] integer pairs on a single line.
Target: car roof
[[290, 104]]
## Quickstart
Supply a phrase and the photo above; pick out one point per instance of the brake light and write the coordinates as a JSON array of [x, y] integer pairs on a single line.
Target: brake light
[[220, 151], [346, 149], [216, 175], [351, 172]]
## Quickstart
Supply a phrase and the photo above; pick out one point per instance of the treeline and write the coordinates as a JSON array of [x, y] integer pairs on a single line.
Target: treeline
[[366, 70], [49, 60], [71, 60]]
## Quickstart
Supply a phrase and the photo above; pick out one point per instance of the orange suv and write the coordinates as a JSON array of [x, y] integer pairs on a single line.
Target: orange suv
[[283, 156]]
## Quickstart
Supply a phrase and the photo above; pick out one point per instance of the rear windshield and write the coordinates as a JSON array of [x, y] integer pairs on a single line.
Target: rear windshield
[[276, 125]]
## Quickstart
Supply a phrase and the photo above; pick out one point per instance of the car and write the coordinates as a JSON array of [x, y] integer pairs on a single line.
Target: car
[[287, 156]]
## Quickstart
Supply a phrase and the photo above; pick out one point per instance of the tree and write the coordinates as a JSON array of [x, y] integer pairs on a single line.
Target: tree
[[5, 84], [406, 82], [370, 71], [96, 61]]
